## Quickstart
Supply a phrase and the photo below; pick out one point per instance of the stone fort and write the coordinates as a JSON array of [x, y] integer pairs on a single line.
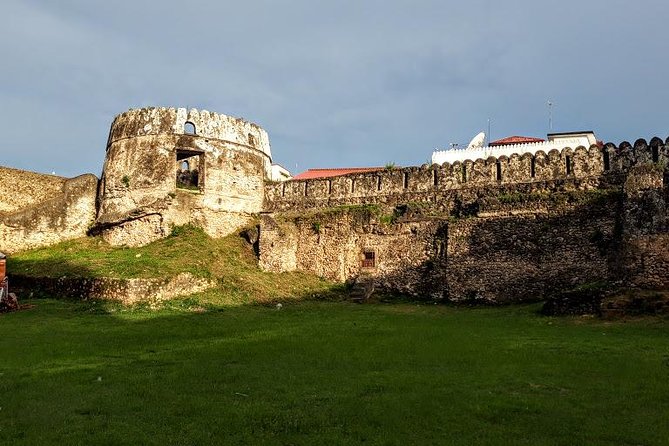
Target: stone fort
[[501, 229]]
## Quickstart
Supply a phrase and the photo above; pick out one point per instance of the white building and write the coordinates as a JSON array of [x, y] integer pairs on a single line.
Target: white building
[[513, 144]]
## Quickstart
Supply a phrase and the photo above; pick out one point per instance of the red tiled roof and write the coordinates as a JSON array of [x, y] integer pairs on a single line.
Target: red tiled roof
[[515, 140], [325, 173]]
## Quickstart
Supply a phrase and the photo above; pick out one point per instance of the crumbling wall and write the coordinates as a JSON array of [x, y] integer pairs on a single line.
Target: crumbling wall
[[495, 230], [44, 209], [644, 256], [20, 189], [139, 198], [496, 246]]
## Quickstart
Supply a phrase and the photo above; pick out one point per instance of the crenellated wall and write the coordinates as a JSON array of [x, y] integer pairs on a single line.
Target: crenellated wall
[[427, 182], [496, 230]]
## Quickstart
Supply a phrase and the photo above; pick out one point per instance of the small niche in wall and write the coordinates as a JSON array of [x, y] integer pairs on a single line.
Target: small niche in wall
[[368, 259], [189, 171], [189, 128], [251, 139]]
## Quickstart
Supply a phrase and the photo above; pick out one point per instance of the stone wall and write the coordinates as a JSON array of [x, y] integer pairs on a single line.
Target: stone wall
[[41, 210], [139, 198], [496, 230], [20, 189], [429, 183], [126, 291]]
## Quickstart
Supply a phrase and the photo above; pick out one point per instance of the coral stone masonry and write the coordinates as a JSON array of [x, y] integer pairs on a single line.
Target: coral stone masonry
[[514, 227]]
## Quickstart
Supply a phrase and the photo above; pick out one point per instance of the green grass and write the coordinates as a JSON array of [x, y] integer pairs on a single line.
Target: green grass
[[230, 261], [329, 373]]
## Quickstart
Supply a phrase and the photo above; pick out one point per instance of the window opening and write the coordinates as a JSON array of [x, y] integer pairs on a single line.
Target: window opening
[[369, 259], [435, 178], [607, 160], [252, 140], [464, 173], [306, 188], [352, 185], [283, 189], [498, 166], [378, 183], [656, 154], [329, 187], [568, 162], [189, 128], [406, 180], [188, 171]]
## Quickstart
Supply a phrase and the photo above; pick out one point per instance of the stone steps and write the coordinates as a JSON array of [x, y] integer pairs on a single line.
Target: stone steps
[[362, 289]]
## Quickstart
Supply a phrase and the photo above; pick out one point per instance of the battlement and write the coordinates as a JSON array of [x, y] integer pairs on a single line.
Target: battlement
[[155, 121], [576, 164]]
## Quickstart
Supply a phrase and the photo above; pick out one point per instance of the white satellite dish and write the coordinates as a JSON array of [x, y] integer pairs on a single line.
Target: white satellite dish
[[477, 141]]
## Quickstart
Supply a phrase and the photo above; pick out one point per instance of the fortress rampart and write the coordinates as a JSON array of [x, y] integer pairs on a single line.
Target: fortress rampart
[[500, 229], [496, 230], [429, 182]]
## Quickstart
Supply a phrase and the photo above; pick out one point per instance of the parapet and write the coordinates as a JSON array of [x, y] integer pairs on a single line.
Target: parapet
[[181, 121], [577, 163]]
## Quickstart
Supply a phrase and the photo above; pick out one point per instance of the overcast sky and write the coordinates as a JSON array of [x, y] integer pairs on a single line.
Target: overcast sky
[[335, 83]]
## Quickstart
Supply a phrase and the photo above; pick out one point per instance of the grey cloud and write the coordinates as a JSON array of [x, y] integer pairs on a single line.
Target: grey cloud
[[341, 83]]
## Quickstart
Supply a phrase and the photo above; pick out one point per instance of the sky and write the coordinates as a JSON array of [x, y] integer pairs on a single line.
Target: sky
[[335, 83]]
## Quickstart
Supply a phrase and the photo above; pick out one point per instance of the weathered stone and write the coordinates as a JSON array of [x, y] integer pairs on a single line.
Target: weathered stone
[[147, 152]]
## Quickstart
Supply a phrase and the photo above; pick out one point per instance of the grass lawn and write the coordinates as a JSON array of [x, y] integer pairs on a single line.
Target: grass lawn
[[329, 373]]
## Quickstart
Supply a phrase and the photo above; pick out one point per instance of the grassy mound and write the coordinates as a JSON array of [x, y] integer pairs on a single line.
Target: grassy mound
[[229, 260]]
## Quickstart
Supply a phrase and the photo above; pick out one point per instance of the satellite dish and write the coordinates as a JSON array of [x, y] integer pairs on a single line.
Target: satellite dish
[[477, 141]]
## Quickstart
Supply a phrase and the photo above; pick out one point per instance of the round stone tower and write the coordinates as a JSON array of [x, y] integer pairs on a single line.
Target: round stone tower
[[166, 167]]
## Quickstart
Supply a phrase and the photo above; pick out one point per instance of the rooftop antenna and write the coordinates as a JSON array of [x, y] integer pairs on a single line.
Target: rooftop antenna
[[550, 116]]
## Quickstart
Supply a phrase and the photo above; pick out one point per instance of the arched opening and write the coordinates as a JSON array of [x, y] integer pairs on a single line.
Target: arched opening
[[189, 128]]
